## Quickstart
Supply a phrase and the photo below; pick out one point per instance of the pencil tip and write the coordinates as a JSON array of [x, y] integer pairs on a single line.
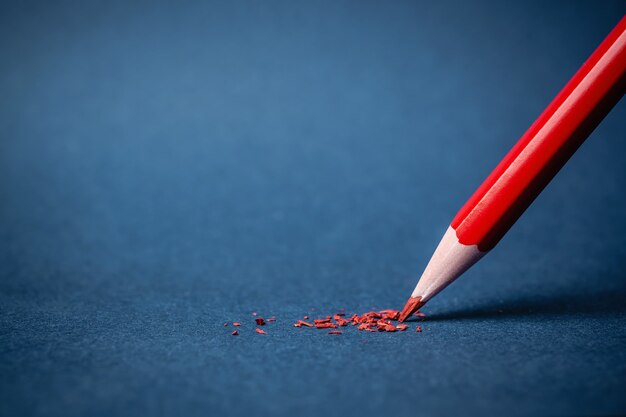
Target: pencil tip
[[411, 306]]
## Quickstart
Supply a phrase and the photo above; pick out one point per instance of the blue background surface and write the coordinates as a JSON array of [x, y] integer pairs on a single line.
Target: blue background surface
[[165, 168]]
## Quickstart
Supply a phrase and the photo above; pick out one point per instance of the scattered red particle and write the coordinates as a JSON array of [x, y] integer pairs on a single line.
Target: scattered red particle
[[301, 323], [390, 314], [254, 313], [259, 331], [225, 324], [335, 332], [260, 321], [390, 328], [419, 329], [235, 333], [236, 323], [272, 319], [320, 321], [385, 326], [418, 314], [306, 317], [402, 327], [325, 326]]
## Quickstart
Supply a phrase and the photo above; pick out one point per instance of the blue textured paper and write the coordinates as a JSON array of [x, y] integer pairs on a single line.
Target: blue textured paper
[[166, 168]]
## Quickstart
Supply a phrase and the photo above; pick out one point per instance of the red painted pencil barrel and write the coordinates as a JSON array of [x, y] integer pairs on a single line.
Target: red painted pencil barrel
[[547, 145]]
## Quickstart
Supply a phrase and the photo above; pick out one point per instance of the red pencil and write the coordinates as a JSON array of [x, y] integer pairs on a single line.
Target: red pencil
[[523, 173]]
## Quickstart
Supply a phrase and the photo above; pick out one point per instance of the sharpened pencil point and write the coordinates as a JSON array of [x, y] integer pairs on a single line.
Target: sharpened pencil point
[[411, 306]]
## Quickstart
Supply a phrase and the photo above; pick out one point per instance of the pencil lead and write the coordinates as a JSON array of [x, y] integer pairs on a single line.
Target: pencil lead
[[411, 306]]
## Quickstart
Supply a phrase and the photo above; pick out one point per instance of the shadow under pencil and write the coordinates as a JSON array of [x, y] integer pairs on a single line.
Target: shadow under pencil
[[599, 303]]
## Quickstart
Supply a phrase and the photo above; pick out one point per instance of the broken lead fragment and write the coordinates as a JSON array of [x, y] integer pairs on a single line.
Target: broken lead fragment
[[325, 326]]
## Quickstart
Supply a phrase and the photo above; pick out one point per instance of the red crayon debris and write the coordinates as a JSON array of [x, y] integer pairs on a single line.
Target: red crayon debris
[[388, 328], [306, 317], [390, 314], [340, 320], [371, 321], [225, 324]]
